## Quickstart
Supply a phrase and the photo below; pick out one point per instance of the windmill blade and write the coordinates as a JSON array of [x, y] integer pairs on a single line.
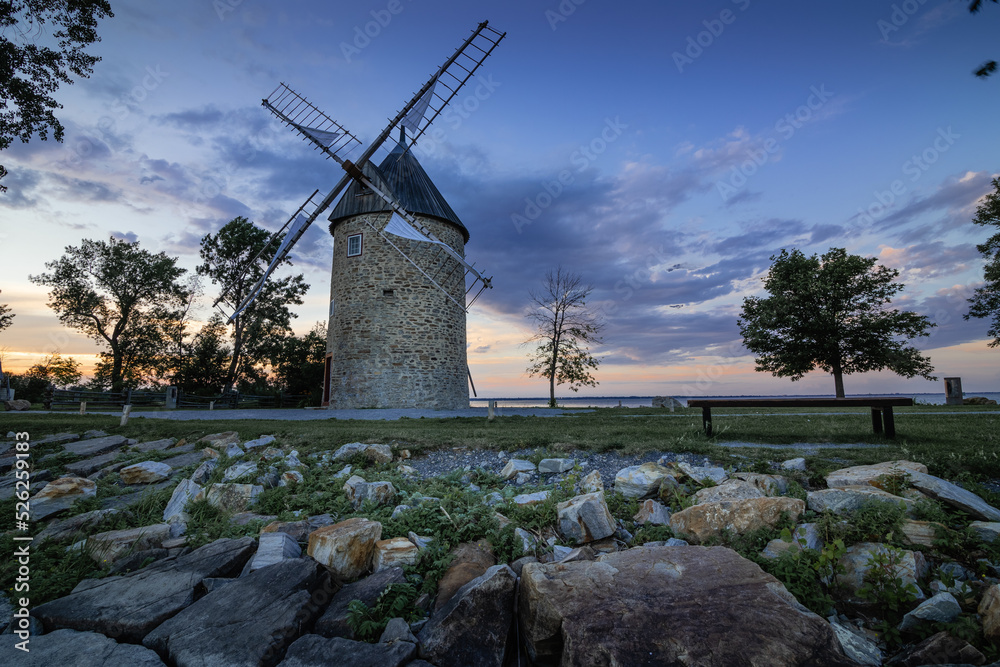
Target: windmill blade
[[450, 77], [298, 113], [293, 230]]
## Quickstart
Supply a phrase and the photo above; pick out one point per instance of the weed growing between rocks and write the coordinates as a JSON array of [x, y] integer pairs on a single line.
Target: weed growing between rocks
[[396, 601]]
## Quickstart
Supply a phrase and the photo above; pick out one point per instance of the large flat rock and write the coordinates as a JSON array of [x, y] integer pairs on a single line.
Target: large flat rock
[[70, 648], [91, 465], [129, 606], [248, 622], [95, 446], [689, 605]]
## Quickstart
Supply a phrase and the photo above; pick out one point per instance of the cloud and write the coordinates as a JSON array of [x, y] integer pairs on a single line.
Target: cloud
[[923, 261], [128, 237]]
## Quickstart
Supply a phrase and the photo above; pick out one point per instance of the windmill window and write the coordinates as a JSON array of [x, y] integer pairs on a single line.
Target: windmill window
[[388, 292], [354, 245]]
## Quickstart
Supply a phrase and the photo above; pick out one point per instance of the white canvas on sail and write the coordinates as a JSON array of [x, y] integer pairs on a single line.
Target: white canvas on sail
[[412, 119], [400, 227], [324, 137]]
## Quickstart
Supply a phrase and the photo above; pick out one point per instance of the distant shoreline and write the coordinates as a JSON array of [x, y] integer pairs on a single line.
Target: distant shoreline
[[929, 398]]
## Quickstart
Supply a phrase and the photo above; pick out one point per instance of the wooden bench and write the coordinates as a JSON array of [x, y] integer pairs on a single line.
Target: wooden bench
[[881, 407]]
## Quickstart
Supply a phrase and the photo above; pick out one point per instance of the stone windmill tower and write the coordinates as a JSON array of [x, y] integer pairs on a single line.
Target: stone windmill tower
[[400, 285], [396, 339]]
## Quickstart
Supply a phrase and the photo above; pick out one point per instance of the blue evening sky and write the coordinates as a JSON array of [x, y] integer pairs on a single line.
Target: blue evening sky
[[692, 140]]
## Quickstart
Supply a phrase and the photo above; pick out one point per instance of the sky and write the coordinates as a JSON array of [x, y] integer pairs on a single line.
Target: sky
[[662, 150]]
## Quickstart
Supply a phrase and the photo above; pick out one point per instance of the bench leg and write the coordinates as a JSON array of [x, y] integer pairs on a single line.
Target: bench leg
[[890, 424], [706, 420], [877, 420]]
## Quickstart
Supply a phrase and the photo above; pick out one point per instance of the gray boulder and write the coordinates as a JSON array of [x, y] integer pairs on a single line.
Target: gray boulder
[[70, 648], [333, 622], [248, 622], [472, 628], [317, 651], [652, 605], [128, 607]]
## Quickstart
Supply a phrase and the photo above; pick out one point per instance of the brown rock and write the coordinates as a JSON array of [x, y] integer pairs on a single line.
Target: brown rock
[[668, 606], [921, 532], [739, 516], [346, 547], [469, 561], [147, 472], [989, 611], [59, 495], [221, 439], [299, 530], [394, 552]]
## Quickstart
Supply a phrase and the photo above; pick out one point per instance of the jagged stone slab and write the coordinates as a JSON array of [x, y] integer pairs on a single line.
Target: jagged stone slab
[[585, 518], [262, 441], [668, 606], [955, 496], [59, 495], [129, 606], [248, 622], [316, 651], [515, 467], [221, 439], [857, 648], [941, 608], [333, 622], [274, 548], [110, 546], [155, 445], [70, 648], [185, 492], [866, 475], [58, 438], [642, 481], [233, 497], [376, 453], [182, 460], [653, 513], [849, 498], [91, 465], [146, 472], [912, 566], [549, 466], [75, 527], [95, 446], [472, 628], [394, 552], [701, 473], [771, 485]]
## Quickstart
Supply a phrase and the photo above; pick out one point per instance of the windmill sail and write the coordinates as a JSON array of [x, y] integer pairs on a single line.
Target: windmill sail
[[330, 137], [399, 227]]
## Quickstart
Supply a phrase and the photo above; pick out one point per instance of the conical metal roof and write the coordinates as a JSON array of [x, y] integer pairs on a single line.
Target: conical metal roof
[[409, 183]]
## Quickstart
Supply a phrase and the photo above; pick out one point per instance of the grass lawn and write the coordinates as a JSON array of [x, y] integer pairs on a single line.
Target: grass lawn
[[962, 443]]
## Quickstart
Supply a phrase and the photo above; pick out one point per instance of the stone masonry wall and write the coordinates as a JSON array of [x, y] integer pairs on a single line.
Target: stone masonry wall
[[396, 340]]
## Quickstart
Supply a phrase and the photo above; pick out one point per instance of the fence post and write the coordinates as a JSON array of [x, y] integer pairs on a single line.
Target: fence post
[[83, 407], [125, 413], [236, 399], [50, 392]]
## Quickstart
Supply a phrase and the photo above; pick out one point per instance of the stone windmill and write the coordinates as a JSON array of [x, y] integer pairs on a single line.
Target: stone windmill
[[400, 286]]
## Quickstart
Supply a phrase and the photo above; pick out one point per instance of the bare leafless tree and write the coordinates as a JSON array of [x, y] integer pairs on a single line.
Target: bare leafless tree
[[564, 325]]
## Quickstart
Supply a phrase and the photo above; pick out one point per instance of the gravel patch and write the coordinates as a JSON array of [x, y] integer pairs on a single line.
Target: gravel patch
[[442, 462]]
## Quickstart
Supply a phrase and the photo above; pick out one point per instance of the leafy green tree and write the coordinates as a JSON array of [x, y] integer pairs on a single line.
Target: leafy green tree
[[235, 258], [986, 299], [6, 317], [203, 368], [57, 369], [831, 313], [564, 325], [121, 296], [32, 67], [301, 363]]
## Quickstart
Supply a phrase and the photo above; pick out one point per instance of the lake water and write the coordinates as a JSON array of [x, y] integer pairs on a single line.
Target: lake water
[[647, 401]]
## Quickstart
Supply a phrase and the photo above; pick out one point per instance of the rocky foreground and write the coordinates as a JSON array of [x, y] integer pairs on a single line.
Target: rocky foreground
[[891, 565]]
